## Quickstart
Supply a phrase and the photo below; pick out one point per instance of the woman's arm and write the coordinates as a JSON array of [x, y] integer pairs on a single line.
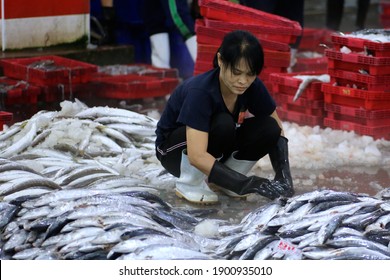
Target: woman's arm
[[198, 156]]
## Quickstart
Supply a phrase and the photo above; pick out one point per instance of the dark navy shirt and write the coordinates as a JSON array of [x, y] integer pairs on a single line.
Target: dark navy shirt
[[194, 102]]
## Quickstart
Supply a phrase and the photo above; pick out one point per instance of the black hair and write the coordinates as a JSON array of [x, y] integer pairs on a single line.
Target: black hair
[[239, 44]]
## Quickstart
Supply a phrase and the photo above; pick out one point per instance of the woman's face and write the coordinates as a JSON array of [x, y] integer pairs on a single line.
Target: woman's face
[[236, 80]]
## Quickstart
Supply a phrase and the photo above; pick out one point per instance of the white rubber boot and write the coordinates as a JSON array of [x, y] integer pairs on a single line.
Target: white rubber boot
[[192, 47], [191, 184], [241, 166], [160, 50]]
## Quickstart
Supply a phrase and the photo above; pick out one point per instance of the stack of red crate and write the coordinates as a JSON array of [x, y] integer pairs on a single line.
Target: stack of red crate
[[315, 40], [220, 17], [134, 81], [358, 97], [134, 86], [308, 109], [18, 97], [140, 69], [58, 78], [310, 56]]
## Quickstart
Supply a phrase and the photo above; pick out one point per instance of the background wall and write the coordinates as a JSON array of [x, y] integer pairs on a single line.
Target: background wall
[[42, 23]]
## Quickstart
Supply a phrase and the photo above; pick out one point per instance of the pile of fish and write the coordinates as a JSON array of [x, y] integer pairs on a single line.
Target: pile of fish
[[84, 183], [375, 35], [97, 224], [322, 224]]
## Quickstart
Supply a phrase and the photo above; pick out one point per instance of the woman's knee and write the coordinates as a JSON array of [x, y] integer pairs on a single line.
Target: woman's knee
[[222, 134], [271, 129], [257, 137], [262, 128]]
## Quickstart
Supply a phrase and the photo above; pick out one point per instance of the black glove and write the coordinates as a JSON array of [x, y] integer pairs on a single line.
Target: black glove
[[280, 163], [227, 178]]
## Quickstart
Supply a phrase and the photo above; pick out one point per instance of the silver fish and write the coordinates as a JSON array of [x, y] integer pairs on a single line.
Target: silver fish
[[358, 241], [307, 80], [6, 134], [329, 228], [63, 239], [24, 183], [131, 245], [22, 143], [165, 252]]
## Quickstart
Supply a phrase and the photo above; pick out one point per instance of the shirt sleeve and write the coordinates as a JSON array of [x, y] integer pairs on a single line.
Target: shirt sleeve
[[197, 110]]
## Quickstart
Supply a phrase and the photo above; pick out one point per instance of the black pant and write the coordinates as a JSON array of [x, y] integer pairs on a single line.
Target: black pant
[[335, 9], [253, 140], [162, 16]]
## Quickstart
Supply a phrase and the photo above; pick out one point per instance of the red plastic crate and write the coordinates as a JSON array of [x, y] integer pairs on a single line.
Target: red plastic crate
[[18, 92], [357, 62], [206, 52], [5, 118], [141, 69], [233, 12], [385, 21], [305, 102], [313, 39], [358, 115], [268, 70], [134, 86], [275, 59], [376, 132], [59, 93], [211, 36], [373, 48], [384, 7], [287, 83], [48, 70], [289, 79], [289, 107], [361, 81], [270, 36], [271, 58], [311, 92], [208, 48], [366, 99], [208, 36], [205, 56], [202, 66], [300, 118], [315, 64]]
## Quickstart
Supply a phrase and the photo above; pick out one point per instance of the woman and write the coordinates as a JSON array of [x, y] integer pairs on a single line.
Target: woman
[[203, 131]]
